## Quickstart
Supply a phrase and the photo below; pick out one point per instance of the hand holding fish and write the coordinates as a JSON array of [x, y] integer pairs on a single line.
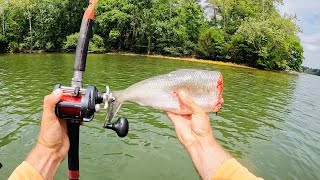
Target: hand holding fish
[[195, 134], [194, 127]]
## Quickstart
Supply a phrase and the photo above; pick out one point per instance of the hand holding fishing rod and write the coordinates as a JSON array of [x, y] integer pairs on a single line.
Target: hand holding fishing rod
[[53, 142], [81, 104], [78, 105]]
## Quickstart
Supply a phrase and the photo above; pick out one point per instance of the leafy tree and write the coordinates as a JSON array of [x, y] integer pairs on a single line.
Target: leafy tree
[[211, 43], [249, 32], [15, 26], [269, 43], [229, 14], [177, 34]]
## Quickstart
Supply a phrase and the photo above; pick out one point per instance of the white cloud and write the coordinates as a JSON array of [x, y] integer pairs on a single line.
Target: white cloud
[[308, 13], [301, 7], [311, 44]]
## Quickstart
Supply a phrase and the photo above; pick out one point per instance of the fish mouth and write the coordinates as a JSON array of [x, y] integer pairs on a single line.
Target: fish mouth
[[219, 89]]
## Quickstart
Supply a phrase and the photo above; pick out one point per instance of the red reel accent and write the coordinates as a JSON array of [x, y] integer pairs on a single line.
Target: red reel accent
[[70, 111], [73, 174]]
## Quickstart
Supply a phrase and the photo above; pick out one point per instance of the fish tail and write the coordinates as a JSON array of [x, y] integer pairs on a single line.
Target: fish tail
[[220, 87], [219, 90]]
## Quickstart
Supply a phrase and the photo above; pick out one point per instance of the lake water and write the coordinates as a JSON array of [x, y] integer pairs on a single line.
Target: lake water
[[270, 121]]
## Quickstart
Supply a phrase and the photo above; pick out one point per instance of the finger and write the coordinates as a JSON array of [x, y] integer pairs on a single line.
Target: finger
[[188, 102], [173, 117], [50, 102], [178, 116], [180, 123], [67, 94], [200, 121], [52, 99], [182, 127], [63, 124]]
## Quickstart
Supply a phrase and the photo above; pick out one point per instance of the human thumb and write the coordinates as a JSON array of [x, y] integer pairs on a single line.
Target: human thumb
[[51, 100], [188, 102]]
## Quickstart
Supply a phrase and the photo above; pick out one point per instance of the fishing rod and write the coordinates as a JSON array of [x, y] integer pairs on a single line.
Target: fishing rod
[[79, 104]]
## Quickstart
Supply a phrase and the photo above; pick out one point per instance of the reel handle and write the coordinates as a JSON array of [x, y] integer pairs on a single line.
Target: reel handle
[[121, 126]]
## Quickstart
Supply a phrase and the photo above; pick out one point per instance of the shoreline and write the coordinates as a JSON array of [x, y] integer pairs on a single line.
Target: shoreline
[[184, 59], [189, 59]]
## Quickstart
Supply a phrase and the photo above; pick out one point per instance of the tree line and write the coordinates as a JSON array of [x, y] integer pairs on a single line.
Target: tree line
[[311, 71], [250, 32]]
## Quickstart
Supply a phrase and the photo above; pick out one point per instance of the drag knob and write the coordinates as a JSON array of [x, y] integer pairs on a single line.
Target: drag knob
[[121, 126]]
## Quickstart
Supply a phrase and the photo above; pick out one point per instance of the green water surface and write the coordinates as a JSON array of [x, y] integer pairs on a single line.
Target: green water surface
[[270, 121]]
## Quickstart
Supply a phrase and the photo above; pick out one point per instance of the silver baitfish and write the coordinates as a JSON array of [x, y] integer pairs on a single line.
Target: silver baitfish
[[160, 92]]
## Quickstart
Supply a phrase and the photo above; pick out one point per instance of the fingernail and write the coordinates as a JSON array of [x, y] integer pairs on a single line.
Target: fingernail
[[57, 92]]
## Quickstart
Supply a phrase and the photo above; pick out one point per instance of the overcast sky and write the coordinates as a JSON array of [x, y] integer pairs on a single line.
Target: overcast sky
[[308, 13]]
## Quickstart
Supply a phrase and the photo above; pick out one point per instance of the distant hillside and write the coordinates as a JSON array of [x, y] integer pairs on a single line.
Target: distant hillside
[[311, 71]]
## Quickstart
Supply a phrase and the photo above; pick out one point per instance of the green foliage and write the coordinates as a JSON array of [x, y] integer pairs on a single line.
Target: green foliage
[[164, 27], [3, 43], [14, 47], [267, 44], [114, 36], [229, 14], [250, 32], [211, 43], [39, 25], [49, 46], [95, 44], [71, 42]]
